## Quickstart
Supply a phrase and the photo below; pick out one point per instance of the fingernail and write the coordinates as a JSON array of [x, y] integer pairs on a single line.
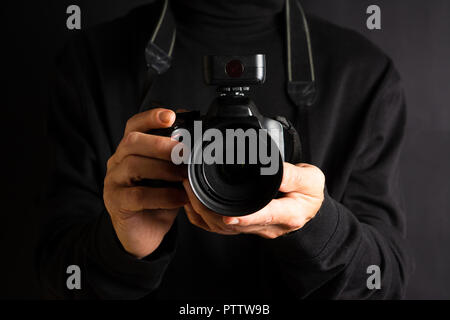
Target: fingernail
[[233, 221], [165, 116]]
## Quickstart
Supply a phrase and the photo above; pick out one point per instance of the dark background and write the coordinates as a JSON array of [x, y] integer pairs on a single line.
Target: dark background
[[415, 33]]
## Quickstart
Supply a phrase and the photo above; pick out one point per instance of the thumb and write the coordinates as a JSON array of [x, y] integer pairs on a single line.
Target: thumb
[[302, 177]]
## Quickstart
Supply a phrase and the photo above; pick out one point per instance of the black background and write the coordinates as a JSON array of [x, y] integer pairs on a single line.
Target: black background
[[415, 33]]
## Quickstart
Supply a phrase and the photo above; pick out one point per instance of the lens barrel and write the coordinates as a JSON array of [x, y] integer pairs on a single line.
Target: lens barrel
[[234, 189]]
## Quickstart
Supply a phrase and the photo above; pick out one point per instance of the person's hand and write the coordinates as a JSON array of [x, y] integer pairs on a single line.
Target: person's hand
[[141, 215], [303, 185]]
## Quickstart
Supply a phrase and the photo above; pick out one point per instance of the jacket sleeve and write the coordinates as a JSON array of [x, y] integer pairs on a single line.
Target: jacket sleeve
[[76, 228], [330, 257]]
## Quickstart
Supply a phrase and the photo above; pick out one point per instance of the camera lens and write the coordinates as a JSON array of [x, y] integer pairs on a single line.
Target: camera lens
[[234, 68], [235, 189]]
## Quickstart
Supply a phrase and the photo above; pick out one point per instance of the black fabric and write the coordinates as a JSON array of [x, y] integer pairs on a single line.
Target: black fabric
[[238, 11], [353, 133]]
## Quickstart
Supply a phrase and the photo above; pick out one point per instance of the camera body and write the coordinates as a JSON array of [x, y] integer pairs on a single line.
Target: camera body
[[238, 187]]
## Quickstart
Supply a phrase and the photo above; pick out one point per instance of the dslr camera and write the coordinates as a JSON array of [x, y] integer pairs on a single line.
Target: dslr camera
[[252, 148]]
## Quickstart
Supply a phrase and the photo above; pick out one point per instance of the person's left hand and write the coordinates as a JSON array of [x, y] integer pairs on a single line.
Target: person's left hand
[[303, 185]]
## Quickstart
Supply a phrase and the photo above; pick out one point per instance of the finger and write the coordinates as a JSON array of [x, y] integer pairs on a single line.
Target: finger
[[193, 200], [163, 216], [161, 212], [195, 218], [261, 217], [284, 211], [301, 178], [152, 119], [212, 219], [139, 199], [136, 168], [145, 145]]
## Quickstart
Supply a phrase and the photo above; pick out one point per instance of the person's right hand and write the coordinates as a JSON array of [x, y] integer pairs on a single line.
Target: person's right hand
[[141, 215]]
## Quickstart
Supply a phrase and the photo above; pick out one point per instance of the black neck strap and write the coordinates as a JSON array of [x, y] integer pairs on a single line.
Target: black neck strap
[[301, 85], [158, 53], [159, 49]]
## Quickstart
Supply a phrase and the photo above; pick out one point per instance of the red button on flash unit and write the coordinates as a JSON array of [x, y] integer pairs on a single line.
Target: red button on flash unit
[[234, 68]]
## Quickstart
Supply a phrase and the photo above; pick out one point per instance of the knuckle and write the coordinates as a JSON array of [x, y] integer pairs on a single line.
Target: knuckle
[[306, 220], [195, 208], [129, 123], [268, 234], [106, 182], [319, 175], [106, 192], [136, 196], [292, 224], [272, 235], [132, 137], [268, 220], [215, 229], [110, 163], [243, 223], [191, 218], [197, 221], [234, 229], [158, 144], [298, 177], [301, 165], [131, 167], [230, 228], [322, 178]]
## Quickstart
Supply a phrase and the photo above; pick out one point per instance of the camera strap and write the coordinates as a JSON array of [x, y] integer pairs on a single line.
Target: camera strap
[[295, 141], [159, 49], [301, 85]]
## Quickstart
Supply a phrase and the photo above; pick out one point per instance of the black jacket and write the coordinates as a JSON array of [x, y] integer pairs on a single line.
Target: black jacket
[[353, 133]]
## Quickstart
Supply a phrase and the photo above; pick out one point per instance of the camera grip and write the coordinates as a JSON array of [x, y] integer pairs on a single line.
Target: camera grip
[[164, 132]]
